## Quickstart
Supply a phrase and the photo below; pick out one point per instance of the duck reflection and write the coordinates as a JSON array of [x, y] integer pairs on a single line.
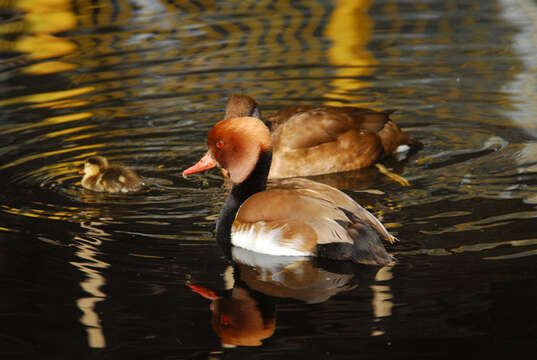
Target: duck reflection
[[245, 313], [240, 317]]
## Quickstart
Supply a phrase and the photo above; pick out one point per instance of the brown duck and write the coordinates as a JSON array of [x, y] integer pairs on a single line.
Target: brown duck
[[312, 140], [299, 217]]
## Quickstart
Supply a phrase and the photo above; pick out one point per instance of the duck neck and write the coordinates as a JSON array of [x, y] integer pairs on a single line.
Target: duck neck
[[254, 183]]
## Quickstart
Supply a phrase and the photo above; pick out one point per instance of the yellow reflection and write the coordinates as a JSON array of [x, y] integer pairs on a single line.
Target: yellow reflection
[[146, 256], [50, 153], [350, 29], [92, 284], [49, 96], [484, 223], [477, 248], [488, 246], [42, 19], [513, 256], [66, 118], [37, 213], [48, 67], [49, 121], [67, 131], [382, 304], [61, 104], [44, 46], [49, 21]]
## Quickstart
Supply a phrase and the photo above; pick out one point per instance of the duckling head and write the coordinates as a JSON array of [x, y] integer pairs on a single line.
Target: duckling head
[[94, 165]]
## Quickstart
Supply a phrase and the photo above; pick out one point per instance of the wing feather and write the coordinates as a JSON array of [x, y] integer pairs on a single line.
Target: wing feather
[[302, 214]]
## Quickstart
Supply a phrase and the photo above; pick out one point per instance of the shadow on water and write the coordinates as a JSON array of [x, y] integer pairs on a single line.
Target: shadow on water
[[142, 82]]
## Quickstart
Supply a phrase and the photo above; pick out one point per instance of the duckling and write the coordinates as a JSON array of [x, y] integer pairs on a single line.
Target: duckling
[[99, 176]]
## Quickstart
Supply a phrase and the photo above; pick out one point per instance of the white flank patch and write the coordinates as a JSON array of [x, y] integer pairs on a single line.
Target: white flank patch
[[122, 179], [402, 148], [264, 241], [265, 261]]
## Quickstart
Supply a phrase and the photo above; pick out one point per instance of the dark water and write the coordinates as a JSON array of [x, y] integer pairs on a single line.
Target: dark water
[[85, 275]]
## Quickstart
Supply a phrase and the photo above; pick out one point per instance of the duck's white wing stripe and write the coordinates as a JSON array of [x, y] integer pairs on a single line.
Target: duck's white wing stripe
[[264, 240]]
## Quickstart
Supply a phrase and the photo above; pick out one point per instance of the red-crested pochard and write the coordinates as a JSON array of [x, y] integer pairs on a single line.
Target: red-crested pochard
[[237, 317], [299, 217], [313, 140], [101, 177]]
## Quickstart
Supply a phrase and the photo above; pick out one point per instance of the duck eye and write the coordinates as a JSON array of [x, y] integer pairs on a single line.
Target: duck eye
[[224, 321], [220, 143]]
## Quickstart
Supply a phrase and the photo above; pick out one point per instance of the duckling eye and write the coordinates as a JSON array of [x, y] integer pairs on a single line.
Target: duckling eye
[[220, 143]]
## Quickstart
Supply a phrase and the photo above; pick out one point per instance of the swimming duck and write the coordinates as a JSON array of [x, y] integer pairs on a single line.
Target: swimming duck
[[298, 217], [312, 140], [101, 177], [239, 317]]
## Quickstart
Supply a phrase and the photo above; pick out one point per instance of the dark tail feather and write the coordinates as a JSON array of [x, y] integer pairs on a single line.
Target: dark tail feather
[[416, 145], [368, 247]]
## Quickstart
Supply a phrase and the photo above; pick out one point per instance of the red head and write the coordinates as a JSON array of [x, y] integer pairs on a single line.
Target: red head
[[237, 319], [235, 145]]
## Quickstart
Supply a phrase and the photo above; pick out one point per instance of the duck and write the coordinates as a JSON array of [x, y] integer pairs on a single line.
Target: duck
[[239, 316], [296, 217], [310, 280], [244, 313], [101, 177], [312, 140]]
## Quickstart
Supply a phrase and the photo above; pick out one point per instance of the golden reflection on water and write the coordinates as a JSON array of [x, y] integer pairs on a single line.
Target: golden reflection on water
[[46, 97], [48, 67], [350, 29], [39, 213], [88, 250], [480, 247], [68, 131], [382, 297], [41, 20], [77, 149], [61, 104], [48, 121], [44, 46], [485, 222], [5, 229]]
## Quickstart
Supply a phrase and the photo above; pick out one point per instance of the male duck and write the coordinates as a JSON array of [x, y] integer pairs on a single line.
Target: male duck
[[299, 217]]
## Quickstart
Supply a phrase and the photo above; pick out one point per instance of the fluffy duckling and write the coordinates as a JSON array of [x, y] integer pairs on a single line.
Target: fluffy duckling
[[101, 177], [313, 140]]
